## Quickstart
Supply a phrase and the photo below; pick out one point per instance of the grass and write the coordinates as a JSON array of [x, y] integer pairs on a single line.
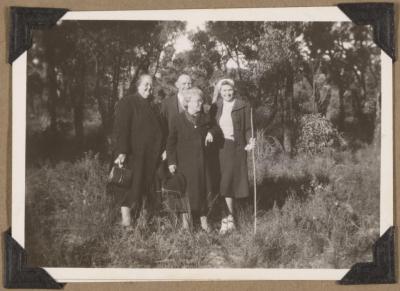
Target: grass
[[318, 211]]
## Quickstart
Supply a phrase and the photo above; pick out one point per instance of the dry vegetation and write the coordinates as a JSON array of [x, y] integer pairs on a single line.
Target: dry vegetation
[[315, 211]]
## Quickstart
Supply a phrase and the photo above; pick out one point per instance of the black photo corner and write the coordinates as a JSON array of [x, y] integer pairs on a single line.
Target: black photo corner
[[380, 16], [16, 272], [23, 21], [382, 270]]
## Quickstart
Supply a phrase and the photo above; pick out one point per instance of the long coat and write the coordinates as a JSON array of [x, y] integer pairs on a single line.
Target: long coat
[[240, 119], [186, 149], [169, 109], [241, 133], [139, 133]]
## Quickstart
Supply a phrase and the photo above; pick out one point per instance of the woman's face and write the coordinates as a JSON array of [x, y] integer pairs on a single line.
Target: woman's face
[[145, 87], [194, 104], [227, 93]]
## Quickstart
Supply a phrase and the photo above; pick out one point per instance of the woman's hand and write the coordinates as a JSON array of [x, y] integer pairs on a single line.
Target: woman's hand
[[120, 160], [209, 138], [251, 145], [172, 169], [164, 155]]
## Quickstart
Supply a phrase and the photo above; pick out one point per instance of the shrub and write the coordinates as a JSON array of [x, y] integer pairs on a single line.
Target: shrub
[[317, 133], [268, 149]]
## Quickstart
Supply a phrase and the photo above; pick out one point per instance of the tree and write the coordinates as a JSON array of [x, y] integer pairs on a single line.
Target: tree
[[349, 59]]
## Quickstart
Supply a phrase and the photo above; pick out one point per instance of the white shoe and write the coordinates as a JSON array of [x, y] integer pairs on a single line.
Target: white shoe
[[224, 226], [204, 224], [186, 221], [126, 216], [231, 223]]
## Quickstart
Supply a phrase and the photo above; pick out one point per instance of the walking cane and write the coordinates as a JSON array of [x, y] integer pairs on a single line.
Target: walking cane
[[254, 172]]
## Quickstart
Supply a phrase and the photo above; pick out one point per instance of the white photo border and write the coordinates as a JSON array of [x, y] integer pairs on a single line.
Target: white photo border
[[323, 14]]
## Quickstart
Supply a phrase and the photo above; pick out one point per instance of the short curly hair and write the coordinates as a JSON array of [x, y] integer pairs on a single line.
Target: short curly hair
[[190, 93]]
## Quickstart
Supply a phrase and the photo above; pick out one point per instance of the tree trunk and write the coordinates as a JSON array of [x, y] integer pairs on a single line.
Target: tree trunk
[[106, 115], [341, 116], [100, 98], [289, 115], [314, 90], [79, 101], [239, 68], [377, 123], [51, 80], [115, 81], [157, 63]]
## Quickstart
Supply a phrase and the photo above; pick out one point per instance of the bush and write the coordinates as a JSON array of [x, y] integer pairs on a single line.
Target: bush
[[317, 133], [267, 150]]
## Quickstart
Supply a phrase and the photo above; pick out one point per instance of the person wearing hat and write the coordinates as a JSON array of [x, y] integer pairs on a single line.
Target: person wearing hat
[[233, 117], [190, 133]]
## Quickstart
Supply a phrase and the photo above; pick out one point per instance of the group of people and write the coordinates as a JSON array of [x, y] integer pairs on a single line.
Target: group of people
[[205, 144]]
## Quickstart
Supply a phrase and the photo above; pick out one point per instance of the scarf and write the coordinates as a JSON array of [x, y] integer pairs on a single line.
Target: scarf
[[193, 119]]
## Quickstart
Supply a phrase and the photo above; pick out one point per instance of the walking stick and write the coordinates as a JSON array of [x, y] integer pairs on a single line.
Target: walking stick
[[254, 172]]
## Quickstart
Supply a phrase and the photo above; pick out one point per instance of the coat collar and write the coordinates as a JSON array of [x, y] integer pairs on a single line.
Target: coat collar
[[139, 98], [202, 120], [239, 104], [175, 104]]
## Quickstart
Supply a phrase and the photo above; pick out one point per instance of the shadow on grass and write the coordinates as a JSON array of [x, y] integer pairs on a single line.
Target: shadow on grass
[[276, 190]]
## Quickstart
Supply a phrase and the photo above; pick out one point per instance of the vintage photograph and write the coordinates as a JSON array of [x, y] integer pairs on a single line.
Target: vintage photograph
[[202, 144]]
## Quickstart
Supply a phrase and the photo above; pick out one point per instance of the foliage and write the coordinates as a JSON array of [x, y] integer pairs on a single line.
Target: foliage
[[327, 205], [82, 64], [317, 134], [286, 70]]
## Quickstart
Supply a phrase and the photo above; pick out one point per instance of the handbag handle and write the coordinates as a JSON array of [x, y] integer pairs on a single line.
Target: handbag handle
[[120, 165]]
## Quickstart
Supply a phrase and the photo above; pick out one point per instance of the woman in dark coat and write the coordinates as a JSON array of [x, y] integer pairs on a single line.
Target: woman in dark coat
[[233, 117], [190, 133], [139, 141]]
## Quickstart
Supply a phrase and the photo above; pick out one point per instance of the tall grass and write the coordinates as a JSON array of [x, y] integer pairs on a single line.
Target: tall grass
[[67, 212], [323, 213]]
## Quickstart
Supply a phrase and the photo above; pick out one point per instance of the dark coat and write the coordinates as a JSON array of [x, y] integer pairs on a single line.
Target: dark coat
[[186, 149], [169, 109], [138, 132], [233, 161], [240, 119]]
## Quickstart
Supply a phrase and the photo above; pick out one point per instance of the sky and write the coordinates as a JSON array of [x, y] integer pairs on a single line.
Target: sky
[[182, 42]]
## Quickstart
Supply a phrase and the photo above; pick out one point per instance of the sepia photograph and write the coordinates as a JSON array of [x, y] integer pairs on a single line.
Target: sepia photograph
[[203, 143]]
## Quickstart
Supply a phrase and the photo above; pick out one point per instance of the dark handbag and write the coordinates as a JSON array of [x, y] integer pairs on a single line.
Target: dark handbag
[[173, 193], [120, 176]]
